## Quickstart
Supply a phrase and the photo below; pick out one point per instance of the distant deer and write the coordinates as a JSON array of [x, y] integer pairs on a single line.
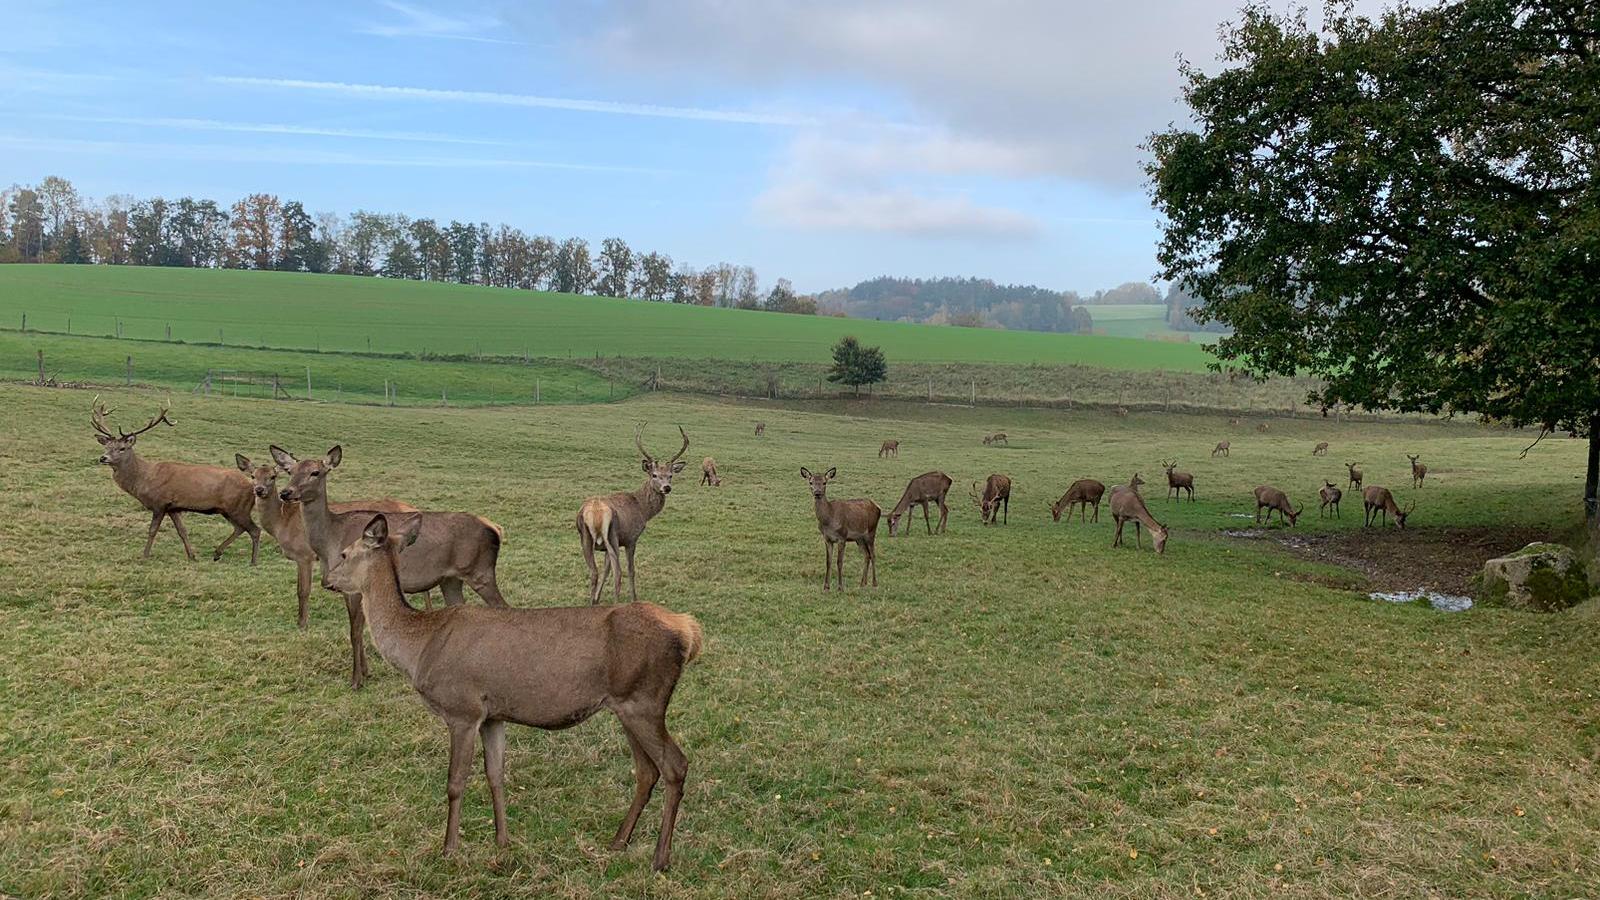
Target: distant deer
[[282, 519], [925, 489], [761, 429], [1221, 447], [709, 474], [844, 522], [1121, 412], [477, 669], [996, 494], [1378, 501], [1128, 506], [618, 520], [454, 547], [170, 489], [1233, 421], [1084, 492], [1321, 449], [1355, 475], [889, 448], [1271, 499], [1264, 427], [999, 437], [1418, 471], [1331, 496], [1177, 482]]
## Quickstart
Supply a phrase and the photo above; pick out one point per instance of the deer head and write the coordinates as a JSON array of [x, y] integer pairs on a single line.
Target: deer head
[[307, 477], [1135, 481], [348, 572], [263, 479], [660, 473], [119, 447], [819, 483], [1400, 514], [1169, 466], [1294, 516]]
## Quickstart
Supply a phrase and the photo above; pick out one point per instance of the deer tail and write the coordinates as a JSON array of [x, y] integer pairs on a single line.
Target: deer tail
[[690, 636], [498, 532], [596, 519]]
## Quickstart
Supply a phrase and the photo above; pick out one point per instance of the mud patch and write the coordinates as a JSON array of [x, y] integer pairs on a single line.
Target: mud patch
[[1437, 560]]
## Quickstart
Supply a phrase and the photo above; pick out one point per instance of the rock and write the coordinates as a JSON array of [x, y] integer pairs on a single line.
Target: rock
[[1540, 577]]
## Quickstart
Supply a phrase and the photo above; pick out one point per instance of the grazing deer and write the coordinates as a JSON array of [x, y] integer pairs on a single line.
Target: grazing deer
[[1178, 482], [1128, 506], [1321, 449], [1331, 495], [1418, 471], [996, 493], [889, 448], [999, 437], [618, 520], [761, 429], [1121, 412], [709, 474], [1233, 421], [1355, 475], [170, 489], [1378, 501], [842, 522], [927, 488], [1264, 427], [283, 521], [453, 547], [1085, 491], [1270, 498], [477, 669], [1222, 448]]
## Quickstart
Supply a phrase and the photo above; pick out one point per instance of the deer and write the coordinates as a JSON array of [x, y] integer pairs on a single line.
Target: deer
[[1233, 421], [709, 474], [1178, 481], [170, 489], [889, 448], [282, 520], [1271, 499], [1121, 412], [1222, 448], [843, 522], [927, 488], [478, 668], [1084, 491], [1128, 506], [1264, 427], [1418, 471], [999, 437], [615, 522], [1355, 475], [1331, 495], [995, 495], [1378, 501], [761, 429], [453, 547], [1321, 449]]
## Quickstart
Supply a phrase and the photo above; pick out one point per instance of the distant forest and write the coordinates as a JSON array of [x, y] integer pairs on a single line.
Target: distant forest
[[1179, 303], [970, 302]]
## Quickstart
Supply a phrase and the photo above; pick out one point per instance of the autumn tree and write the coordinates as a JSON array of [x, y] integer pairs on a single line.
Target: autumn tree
[[616, 267], [255, 223], [856, 365]]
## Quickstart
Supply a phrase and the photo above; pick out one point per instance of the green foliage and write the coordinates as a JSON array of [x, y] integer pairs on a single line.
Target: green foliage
[[856, 365]]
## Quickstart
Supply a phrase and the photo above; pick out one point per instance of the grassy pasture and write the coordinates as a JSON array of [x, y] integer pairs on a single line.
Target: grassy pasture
[[1138, 320], [1015, 711]]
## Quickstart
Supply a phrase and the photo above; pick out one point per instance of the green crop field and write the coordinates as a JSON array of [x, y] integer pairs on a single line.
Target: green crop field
[[1014, 711], [1141, 320]]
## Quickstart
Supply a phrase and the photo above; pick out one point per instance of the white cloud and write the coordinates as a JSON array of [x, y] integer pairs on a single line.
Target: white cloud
[[278, 128], [813, 204], [416, 22]]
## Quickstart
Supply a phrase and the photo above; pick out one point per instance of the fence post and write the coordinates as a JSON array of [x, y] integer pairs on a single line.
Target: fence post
[[41, 367], [276, 387], [536, 392], [169, 331], [930, 388], [444, 396], [308, 382], [974, 392], [128, 375], [69, 324], [219, 337], [24, 323]]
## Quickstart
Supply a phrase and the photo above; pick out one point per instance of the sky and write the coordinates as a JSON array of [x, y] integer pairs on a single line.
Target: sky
[[827, 141]]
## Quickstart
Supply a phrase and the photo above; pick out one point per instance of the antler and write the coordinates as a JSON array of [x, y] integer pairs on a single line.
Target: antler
[[976, 496], [159, 418], [638, 441], [1412, 508], [97, 417], [681, 450]]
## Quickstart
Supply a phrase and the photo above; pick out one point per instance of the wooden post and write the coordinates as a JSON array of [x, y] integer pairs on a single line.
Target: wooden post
[[536, 391], [169, 332], [128, 374], [276, 387], [308, 382], [974, 392], [41, 367], [24, 323], [69, 324], [930, 388], [219, 337], [444, 396]]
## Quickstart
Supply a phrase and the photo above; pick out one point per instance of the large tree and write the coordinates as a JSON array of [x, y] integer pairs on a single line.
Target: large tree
[[856, 365], [1407, 207]]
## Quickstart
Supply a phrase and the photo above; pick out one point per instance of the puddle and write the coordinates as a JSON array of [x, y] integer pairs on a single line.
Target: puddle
[[1246, 533], [1240, 516], [1441, 602]]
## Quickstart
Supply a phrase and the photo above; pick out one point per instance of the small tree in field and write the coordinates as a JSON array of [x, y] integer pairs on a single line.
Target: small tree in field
[[856, 365]]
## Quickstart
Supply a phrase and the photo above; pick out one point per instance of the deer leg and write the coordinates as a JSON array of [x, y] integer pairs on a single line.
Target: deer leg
[[645, 775], [451, 589], [462, 738], [302, 589], [155, 524], [493, 732], [255, 540], [183, 533], [649, 727], [1008, 509], [633, 584], [872, 558], [358, 647], [838, 566], [217, 553], [487, 586], [1117, 541], [927, 518], [827, 564], [594, 570], [944, 515]]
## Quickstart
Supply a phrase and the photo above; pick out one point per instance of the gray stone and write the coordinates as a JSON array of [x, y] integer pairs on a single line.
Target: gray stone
[[1540, 577]]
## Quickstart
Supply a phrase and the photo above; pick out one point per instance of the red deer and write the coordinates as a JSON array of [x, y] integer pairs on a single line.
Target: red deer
[[1122, 412], [1321, 449], [1085, 491], [1177, 482], [477, 669], [1378, 501], [996, 493], [843, 522], [1234, 420], [1418, 471], [925, 489], [1331, 496], [709, 474], [170, 489], [1355, 475], [454, 547], [889, 448], [1222, 448], [618, 520], [1264, 427], [999, 437], [1128, 506], [1270, 498], [761, 429]]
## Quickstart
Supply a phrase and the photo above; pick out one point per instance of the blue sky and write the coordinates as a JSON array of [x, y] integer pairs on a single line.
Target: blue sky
[[826, 142]]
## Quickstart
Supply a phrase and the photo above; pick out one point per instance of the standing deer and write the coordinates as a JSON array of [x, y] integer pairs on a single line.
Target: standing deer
[[842, 522], [999, 437], [1264, 427], [927, 488], [453, 547], [1355, 475], [1270, 498], [1234, 420], [889, 448], [1418, 471], [1121, 412], [1378, 501], [1331, 495], [1178, 482], [1321, 449], [1222, 448], [996, 493], [477, 669], [170, 489], [618, 520], [1084, 491], [761, 429], [709, 474], [282, 519], [1128, 506]]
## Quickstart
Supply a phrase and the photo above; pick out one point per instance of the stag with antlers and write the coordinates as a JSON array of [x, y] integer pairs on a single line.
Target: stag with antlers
[[996, 495], [1178, 482], [615, 522], [1377, 501], [170, 489], [844, 522], [1271, 499]]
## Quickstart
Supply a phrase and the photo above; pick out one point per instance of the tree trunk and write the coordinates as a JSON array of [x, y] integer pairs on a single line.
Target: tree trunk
[[1590, 511]]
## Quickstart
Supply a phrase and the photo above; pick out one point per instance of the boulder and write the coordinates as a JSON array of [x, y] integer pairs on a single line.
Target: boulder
[[1540, 577]]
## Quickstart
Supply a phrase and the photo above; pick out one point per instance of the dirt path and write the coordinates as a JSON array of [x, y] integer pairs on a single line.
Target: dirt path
[[1439, 559]]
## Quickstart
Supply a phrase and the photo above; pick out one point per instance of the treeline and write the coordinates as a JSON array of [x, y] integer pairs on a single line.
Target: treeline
[[50, 222], [971, 302], [1179, 304]]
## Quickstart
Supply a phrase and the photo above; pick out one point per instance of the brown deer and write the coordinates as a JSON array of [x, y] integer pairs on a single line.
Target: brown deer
[[709, 474], [761, 429], [1084, 491], [1264, 427], [1355, 475], [1128, 506], [477, 669], [1321, 449], [617, 521], [1270, 498], [454, 547], [889, 448], [1234, 420], [1222, 448], [996, 494], [1418, 471], [1378, 501], [283, 521], [170, 489], [1178, 481], [842, 522], [927, 488], [1331, 495], [999, 437], [1121, 412]]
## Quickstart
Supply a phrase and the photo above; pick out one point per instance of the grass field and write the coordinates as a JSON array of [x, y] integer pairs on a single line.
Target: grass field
[[1015, 711]]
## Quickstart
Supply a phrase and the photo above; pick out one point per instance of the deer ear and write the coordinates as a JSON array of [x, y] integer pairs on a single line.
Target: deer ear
[[678, 466], [805, 473], [645, 465], [102, 439], [377, 531], [243, 462], [833, 472], [282, 457], [335, 454]]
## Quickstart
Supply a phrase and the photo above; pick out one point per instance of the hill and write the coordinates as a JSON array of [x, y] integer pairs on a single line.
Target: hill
[[960, 301]]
